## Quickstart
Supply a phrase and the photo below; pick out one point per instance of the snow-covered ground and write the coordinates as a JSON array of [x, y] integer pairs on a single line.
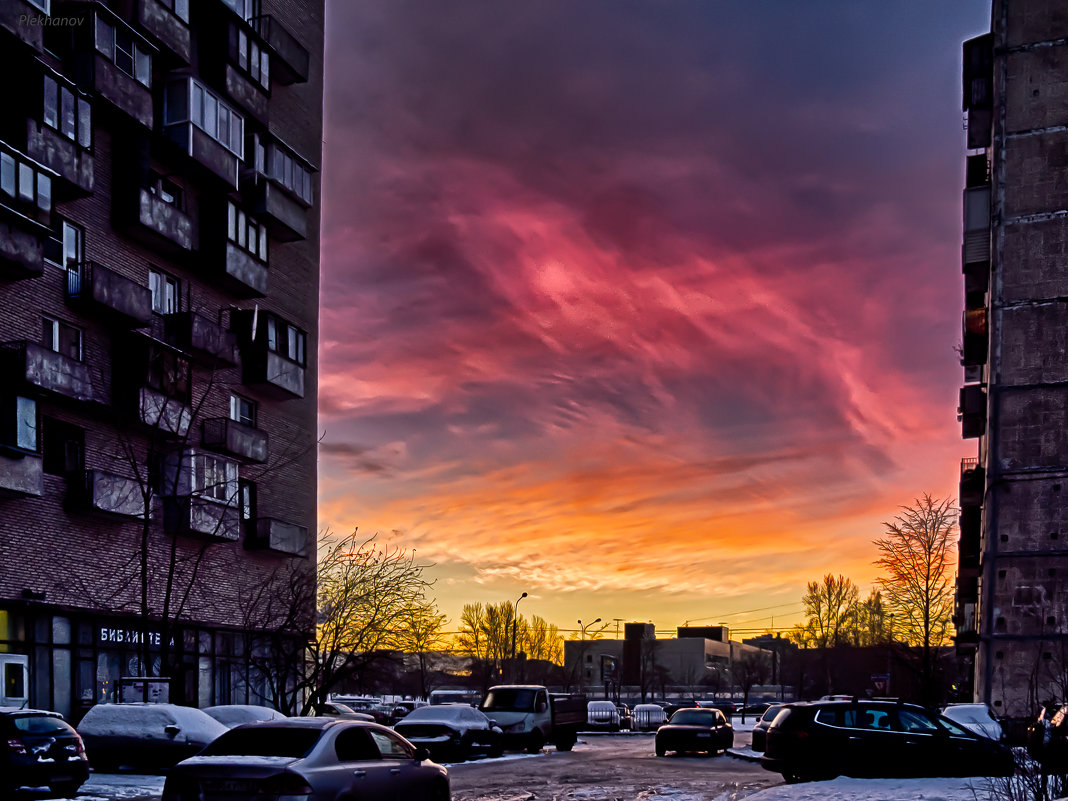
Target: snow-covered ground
[[842, 789]]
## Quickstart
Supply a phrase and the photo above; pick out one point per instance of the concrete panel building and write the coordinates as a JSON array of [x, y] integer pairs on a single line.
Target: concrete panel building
[[159, 277], [1012, 608]]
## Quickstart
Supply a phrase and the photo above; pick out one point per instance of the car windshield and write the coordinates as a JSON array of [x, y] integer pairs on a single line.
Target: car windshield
[[509, 699], [437, 713], [266, 741], [40, 724], [695, 717], [968, 715]]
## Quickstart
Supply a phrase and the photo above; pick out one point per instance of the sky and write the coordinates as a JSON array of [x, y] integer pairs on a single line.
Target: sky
[[646, 309]]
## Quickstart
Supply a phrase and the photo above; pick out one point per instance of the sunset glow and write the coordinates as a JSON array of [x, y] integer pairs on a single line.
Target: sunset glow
[[648, 310]]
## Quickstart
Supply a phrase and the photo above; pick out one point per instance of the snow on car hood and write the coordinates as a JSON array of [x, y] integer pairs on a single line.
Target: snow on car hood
[[240, 760]]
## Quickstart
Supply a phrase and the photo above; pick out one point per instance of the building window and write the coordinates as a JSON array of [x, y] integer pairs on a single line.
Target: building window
[[215, 478], [286, 340], [165, 295], [120, 46], [166, 190], [23, 184], [168, 372], [286, 169], [246, 9], [63, 447], [65, 247], [19, 429], [252, 59], [43, 5], [248, 502], [243, 410], [189, 100], [67, 112], [245, 232], [61, 337], [180, 8]]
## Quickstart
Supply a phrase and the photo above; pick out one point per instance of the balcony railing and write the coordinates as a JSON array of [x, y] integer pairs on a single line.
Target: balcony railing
[[202, 338], [49, 371], [124, 302], [200, 517], [21, 475], [101, 491], [236, 439], [277, 535]]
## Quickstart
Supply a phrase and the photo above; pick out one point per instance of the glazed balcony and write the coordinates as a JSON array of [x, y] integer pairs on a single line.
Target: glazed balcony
[[286, 217], [202, 338], [168, 24], [205, 126], [96, 289], [245, 275], [278, 536], [49, 371], [21, 474], [200, 517], [273, 374], [22, 243], [109, 493], [969, 544], [972, 411], [243, 442], [25, 214], [60, 136], [289, 58], [277, 189]]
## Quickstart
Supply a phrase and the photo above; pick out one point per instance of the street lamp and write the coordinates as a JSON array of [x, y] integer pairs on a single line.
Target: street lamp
[[582, 628], [515, 620]]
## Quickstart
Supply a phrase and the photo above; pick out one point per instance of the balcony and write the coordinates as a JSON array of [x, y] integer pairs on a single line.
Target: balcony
[[972, 480], [169, 415], [166, 27], [277, 188], [972, 411], [276, 535], [286, 218], [162, 225], [72, 163], [48, 371], [230, 437], [969, 545], [289, 58], [21, 474], [974, 329], [199, 517], [22, 243], [11, 11], [25, 214], [123, 91], [978, 85], [94, 288], [204, 339], [205, 126], [274, 374], [101, 491]]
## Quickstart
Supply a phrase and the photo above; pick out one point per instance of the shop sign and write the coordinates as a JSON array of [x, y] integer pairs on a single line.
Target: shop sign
[[115, 635]]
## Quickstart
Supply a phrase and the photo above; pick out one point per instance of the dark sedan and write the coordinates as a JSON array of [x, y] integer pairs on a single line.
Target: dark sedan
[[452, 732], [695, 731], [876, 738], [313, 759], [39, 748], [760, 730]]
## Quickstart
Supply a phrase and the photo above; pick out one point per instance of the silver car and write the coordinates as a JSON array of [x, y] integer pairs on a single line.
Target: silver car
[[314, 759]]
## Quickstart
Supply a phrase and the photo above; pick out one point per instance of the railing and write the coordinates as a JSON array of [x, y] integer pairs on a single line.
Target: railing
[[967, 465], [79, 279]]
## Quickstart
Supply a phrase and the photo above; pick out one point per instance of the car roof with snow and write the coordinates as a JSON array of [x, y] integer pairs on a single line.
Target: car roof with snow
[[443, 712], [126, 719]]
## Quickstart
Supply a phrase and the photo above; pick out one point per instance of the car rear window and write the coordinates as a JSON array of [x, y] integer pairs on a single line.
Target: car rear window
[[697, 717], [267, 741], [40, 724]]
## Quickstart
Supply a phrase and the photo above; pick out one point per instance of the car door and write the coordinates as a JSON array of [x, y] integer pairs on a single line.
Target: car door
[[360, 767], [406, 776], [924, 746]]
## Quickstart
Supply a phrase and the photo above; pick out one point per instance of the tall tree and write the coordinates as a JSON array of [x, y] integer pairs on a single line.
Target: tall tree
[[916, 555], [421, 634], [830, 610], [871, 624], [751, 668]]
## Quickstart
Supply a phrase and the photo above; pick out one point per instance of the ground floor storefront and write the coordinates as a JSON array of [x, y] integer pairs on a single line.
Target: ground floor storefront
[[68, 660]]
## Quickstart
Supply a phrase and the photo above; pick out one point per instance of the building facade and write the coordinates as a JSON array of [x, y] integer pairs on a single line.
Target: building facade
[[159, 278], [1012, 609]]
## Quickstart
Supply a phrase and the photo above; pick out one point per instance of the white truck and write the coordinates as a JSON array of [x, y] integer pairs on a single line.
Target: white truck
[[530, 716]]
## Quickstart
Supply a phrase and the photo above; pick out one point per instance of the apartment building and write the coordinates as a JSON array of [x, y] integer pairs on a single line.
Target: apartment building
[[1012, 609], [159, 278]]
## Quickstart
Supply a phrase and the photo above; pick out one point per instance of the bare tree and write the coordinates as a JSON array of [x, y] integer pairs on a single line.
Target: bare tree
[[751, 668], [916, 555], [830, 609], [871, 626], [421, 634]]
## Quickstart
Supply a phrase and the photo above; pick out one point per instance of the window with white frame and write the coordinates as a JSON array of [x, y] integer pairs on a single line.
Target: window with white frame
[[166, 298], [286, 169], [166, 190], [18, 427], [214, 478], [286, 340], [189, 100], [61, 337], [67, 112], [24, 182], [65, 246], [180, 8], [245, 232], [243, 410], [122, 48]]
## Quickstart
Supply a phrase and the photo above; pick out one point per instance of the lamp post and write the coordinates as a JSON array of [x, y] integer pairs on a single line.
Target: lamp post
[[582, 649], [515, 621]]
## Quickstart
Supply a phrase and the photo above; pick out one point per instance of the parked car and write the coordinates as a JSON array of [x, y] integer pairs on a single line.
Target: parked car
[[672, 708], [697, 730], [451, 732], [760, 729], [231, 715], [624, 716], [313, 759], [602, 716], [822, 740], [757, 708], [145, 736], [647, 717], [728, 708], [40, 748], [336, 709], [976, 717]]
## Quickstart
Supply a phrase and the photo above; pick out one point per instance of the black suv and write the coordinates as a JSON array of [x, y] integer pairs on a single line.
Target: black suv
[[824, 739], [39, 748]]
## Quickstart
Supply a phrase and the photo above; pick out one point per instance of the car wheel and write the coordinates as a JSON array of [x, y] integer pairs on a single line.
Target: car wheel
[[660, 751], [496, 748], [440, 793], [65, 789], [535, 742]]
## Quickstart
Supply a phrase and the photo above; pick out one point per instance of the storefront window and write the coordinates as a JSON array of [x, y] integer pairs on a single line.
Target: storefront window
[[61, 680], [107, 677], [205, 682], [86, 683], [61, 630]]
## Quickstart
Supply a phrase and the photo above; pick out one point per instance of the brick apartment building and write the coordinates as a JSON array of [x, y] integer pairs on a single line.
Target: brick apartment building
[[1012, 608], [159, 278]]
